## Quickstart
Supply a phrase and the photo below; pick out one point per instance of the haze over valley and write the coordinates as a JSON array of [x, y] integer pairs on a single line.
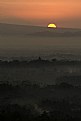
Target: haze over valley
[[33, 41]]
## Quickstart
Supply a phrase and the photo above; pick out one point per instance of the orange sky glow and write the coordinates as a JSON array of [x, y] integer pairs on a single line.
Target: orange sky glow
[[63, 13]]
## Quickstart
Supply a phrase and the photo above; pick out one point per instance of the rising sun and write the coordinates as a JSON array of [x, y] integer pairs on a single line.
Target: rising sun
[[52, 26]]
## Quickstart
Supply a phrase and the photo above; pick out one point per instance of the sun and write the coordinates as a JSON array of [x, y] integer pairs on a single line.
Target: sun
[[52, 26]]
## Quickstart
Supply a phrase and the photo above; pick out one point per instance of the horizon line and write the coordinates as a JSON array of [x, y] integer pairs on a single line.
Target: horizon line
[[31, 25]]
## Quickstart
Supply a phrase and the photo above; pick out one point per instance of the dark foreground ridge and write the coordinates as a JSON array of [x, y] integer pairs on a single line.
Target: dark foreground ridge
[[26, 95], [23, 113], [48, 103]]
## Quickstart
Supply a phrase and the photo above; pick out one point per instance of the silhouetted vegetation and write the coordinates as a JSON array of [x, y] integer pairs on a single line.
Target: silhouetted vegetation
[[39, 61]]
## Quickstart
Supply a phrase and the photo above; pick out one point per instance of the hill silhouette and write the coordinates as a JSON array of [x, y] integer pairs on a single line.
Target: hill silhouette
[[12, 29]]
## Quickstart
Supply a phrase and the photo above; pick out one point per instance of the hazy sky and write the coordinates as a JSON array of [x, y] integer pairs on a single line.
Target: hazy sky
[[65, 13]]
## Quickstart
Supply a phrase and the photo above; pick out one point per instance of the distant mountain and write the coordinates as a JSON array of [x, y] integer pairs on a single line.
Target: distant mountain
[[24, 30], [19, 29]]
